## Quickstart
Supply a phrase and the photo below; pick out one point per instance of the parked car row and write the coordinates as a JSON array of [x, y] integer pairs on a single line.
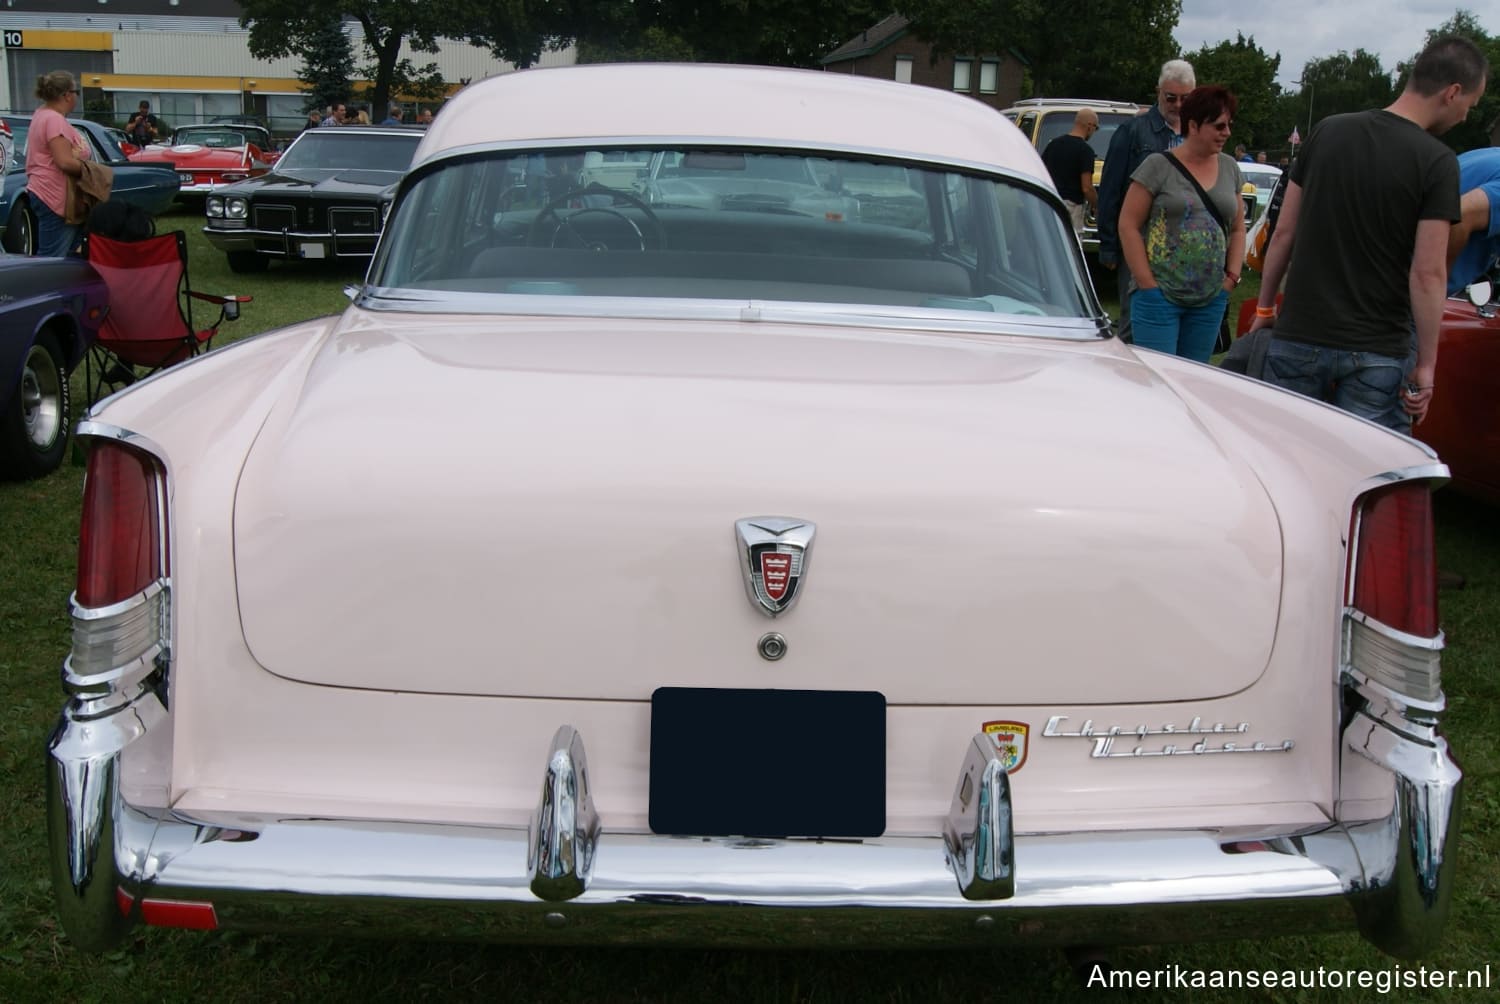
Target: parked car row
[[153, 187]]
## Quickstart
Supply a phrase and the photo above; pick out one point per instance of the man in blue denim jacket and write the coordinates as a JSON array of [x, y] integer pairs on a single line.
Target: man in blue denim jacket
[[1156, 131]]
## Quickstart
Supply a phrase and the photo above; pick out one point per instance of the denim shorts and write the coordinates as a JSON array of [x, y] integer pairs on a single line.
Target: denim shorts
[[1366, 384]]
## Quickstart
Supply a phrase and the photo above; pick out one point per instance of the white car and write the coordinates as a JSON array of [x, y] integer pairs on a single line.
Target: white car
[[744, 569]]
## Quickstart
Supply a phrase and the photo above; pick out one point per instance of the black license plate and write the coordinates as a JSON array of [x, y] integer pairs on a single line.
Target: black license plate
[[767, 763]]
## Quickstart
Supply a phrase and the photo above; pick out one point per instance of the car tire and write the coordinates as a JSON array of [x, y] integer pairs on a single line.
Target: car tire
[[247, 262], [34, 428], [20, 229]]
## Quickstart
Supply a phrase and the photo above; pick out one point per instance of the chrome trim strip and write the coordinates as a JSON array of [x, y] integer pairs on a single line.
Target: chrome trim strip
[[977, 834], [1433, 644], [565, 827], [930, 320]]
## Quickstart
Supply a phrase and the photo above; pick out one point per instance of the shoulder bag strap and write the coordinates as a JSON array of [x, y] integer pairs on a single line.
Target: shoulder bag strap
[[1208, 203]]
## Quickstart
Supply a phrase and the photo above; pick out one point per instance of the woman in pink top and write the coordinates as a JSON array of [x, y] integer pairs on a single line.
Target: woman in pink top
[[54, 153]]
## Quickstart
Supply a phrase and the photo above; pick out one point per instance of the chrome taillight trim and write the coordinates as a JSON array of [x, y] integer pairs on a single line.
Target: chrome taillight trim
[[1408, 666], [109, 641]]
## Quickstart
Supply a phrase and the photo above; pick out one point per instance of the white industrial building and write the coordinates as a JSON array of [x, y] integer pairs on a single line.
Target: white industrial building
[[189, 58]]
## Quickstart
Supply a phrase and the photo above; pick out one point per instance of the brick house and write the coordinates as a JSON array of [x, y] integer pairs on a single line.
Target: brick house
[[891, 51]]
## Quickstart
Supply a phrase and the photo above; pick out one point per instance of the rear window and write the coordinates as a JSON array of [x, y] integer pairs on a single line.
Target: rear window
[[735, 224]]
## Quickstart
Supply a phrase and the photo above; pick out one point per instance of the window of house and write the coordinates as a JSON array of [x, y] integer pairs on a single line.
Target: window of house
[[903, 69], [989, 76], [963, 70]]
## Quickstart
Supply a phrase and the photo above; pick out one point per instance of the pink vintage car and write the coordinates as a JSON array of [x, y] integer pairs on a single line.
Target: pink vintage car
[[666, 553], [208, 157]]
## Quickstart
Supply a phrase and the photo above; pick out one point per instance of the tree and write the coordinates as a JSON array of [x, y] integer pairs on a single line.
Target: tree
[[1473, 132], [1342, 83], [1244, 68], [327, 65], [1075, 48], [288, 27]]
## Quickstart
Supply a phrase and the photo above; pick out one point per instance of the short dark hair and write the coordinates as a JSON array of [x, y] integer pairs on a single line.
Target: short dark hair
[[145, 104], [1206, 103], [1449, 59]]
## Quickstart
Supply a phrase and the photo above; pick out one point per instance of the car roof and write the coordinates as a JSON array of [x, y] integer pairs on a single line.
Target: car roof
[[744, 105]]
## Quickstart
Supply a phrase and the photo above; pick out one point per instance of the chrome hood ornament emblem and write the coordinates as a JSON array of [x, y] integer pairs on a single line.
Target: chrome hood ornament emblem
[[773, 559]]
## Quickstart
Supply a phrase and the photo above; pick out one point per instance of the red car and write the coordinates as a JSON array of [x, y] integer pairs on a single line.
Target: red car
[[209, 157], [1463, 422]]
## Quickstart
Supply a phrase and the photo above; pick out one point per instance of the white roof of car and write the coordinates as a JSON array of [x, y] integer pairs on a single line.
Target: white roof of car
[[812, 109]]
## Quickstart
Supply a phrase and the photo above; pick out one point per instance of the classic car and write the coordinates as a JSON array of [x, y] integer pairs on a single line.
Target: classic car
[[7, 147], [326, 198], [121, 140], [710, 573], [1045, 119], [153, 187], [208, 157], [50, 312], [1263, 178]]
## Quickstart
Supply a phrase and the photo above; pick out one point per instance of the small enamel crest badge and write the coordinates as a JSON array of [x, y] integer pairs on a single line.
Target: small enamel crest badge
[[1010, 742], [773, 559]]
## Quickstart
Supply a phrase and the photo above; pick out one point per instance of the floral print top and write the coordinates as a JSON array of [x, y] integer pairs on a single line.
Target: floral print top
[[1185, 246]]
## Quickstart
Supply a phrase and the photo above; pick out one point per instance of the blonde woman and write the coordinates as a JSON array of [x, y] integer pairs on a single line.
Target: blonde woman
[[55, 152], [1182, 232], [362, 117]]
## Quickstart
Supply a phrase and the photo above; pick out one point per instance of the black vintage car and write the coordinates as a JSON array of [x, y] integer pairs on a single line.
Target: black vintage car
[[324, 199]]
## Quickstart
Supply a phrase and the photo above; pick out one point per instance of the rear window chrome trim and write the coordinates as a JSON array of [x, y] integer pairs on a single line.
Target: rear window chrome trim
[[1081, 329]]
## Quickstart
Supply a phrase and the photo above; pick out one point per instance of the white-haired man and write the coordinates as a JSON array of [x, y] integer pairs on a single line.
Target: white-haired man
[[1156, 131]]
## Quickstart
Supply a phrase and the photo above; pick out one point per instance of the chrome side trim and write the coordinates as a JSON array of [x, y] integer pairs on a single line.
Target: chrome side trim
[[565, 827], [977, 834]]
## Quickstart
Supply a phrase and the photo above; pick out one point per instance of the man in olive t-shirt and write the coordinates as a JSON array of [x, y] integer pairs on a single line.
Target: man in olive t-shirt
[[1362, 242], [1070, 161]]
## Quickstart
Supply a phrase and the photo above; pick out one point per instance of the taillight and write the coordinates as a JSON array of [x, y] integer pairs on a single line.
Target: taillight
[[120, 547], [1392, 635], [1395, 563]]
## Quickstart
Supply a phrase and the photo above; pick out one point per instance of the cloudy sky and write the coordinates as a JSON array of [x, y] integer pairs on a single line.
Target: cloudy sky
[[1302, 30]]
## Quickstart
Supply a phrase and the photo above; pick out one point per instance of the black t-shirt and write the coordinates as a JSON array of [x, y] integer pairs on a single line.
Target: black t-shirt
[[1367, 178], [1068, 158], [140, 134]]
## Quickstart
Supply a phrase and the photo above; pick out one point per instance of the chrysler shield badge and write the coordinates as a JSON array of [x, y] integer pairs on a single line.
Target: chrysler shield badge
[[773, 559]]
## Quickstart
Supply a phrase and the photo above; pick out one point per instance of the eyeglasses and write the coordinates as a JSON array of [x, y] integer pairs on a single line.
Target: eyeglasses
[[1169, 98], [1221, 126]]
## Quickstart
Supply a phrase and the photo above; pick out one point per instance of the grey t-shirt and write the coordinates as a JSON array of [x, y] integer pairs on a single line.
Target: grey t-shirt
[[1185, 246]]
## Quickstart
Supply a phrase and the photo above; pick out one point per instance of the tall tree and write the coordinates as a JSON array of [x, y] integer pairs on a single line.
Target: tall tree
[[1342, 83], [327, 66], [1475, 131], [1076, 48], [288, 27], [1245, 69]]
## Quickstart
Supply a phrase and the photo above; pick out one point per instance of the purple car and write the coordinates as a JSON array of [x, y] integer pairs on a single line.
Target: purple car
[[50, 312]]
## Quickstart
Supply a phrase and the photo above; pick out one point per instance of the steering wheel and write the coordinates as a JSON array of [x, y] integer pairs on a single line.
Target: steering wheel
[[655, 230]]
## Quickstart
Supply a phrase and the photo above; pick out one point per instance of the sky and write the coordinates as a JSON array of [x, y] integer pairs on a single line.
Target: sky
[[1304, 30]]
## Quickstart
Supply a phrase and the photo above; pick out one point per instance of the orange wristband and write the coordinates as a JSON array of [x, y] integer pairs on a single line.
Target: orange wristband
[[1265, 311]]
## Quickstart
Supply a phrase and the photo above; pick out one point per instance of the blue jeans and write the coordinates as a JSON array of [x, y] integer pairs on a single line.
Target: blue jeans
[[1366, 384], [54, 238], [1160, 324]]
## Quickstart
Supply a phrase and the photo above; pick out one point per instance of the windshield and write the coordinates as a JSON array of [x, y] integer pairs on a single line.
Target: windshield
[[329, 150], [731, 224]]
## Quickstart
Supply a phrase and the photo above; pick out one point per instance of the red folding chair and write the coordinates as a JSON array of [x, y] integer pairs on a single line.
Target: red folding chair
[[150, 321]]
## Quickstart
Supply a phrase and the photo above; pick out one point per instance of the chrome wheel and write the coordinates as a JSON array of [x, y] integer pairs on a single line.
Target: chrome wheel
[[20, 230], [42, 403]]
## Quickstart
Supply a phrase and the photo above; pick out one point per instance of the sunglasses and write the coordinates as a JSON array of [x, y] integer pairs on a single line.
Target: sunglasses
[[1221, 126], [1172, 99]]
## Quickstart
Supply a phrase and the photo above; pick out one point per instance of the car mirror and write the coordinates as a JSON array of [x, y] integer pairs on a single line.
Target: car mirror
[[1481, 292]]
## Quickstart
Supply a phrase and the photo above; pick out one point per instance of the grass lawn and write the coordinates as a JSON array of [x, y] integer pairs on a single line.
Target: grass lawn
[[39, 521]]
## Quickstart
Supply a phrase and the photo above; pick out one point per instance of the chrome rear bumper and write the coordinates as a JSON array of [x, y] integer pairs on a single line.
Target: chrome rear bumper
[[568, 880]]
